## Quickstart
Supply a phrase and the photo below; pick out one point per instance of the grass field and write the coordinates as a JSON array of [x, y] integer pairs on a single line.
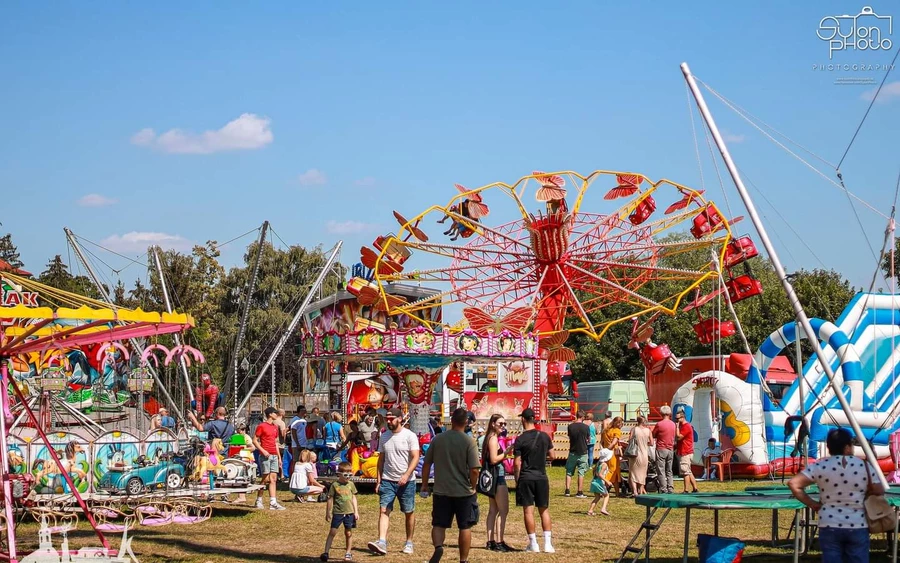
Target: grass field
[[243, 534]]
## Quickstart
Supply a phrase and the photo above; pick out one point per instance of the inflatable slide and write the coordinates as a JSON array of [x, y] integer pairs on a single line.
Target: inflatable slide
[[863, 347]]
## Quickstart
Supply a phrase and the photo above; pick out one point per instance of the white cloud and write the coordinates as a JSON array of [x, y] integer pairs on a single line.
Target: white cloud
[[732, 138], [247, 132], [312, 177], [96, 200], [136, 241], [890, 91], [347, 227], [366, 182]]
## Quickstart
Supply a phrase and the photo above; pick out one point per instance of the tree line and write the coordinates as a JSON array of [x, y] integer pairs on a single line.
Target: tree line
[[200, 285]]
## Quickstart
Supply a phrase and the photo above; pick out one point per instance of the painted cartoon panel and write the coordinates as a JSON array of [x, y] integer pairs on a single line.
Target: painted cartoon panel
[[159, 442], [114, 449], [72, 451], [18, 455], [516, 376]]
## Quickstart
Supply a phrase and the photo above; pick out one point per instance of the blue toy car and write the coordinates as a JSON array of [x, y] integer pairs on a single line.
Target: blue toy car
[[135, 479]]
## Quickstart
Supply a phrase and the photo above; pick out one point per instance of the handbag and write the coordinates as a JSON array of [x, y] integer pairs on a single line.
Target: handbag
[[487, 480], [631, 450], [879, 513], [487, 477]]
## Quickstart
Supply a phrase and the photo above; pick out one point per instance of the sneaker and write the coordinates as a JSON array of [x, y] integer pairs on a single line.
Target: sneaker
[[491, 546], [323, 557], [275, 506], [532, 548], [378, 547], [568, 494], [348, 556], [506, 547], [259, 504], [407, 548], [580, 495], [548, 548]]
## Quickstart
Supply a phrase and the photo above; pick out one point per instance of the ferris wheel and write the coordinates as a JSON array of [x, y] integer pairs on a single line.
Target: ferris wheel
[[552, 261]]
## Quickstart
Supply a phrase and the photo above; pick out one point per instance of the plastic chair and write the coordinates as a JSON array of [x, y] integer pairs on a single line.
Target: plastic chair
[[723, 464]]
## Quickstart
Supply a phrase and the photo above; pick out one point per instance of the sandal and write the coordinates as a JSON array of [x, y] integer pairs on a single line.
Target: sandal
[[591, 513], [605, 513]]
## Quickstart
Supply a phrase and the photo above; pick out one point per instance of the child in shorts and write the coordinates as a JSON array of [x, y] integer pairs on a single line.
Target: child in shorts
[[599, 485], [341, 509]]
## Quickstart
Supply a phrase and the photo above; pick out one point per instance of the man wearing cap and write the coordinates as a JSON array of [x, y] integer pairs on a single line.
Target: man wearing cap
[[532, 486], [397, 460], [455, 459], [664, 434], [207, 395], [217, 428]]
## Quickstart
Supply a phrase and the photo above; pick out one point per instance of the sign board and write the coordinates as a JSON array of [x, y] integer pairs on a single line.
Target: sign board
[[52, 383], [139, 384]]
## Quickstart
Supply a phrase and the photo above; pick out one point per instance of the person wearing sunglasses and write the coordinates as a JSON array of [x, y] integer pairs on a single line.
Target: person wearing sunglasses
[[398, 457], [492, 455], [342, 508]]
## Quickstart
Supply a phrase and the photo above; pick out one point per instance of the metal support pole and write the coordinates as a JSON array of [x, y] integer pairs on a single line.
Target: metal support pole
[[273, 383], [687, 534], [231, 376], [646, 536], [796, 536], [716, 523], [779, 269], [4, 460], [293, 324], [165, 291], [134, 343]]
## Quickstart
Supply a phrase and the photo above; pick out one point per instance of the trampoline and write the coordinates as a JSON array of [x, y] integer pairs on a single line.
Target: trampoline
[[774, 498]]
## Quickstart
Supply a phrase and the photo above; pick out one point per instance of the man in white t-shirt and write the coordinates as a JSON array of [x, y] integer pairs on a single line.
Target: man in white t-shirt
[[297, 429], [397, 460]]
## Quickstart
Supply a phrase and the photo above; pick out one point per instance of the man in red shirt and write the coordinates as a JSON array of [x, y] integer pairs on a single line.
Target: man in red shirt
[[266, 442], [685, 449], [664, 434]]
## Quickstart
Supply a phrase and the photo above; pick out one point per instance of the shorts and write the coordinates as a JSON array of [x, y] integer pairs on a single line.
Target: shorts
[[684, 465], [533, 493], [348, 520], [303, 491], [271, 464], [577, 461], [391, 490], [445, 508]]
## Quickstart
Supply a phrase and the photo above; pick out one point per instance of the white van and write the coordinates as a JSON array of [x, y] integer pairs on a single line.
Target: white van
[[622, 398]]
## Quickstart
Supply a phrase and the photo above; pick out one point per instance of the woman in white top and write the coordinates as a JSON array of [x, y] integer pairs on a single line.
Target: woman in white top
[[843, 481], [303, 480]]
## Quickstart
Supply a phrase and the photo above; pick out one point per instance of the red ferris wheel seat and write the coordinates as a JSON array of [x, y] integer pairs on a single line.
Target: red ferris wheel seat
[[743, 287], [711, 329], [643, 211], [706, 222], [396, 253], [739, 250], [654, 358]]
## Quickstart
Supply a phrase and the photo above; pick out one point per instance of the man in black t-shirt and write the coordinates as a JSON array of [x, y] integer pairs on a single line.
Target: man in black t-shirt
[[579, 436], [532, 486]]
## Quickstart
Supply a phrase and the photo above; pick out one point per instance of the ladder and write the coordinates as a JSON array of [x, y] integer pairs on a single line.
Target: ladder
[[649, 528]]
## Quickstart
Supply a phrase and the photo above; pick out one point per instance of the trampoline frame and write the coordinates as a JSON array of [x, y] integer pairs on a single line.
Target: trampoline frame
[[694, 501]]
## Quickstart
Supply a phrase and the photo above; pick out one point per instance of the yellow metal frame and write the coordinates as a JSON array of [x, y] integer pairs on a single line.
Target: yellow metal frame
[[516, 191]]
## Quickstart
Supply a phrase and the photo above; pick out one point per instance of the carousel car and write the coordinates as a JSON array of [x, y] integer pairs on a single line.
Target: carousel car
[[135, 479]]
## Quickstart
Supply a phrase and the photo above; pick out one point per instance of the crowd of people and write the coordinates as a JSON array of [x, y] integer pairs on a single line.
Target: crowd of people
[[459, 458]]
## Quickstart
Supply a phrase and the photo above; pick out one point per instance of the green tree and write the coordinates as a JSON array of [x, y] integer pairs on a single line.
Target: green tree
[[823, 294], [9, 251]]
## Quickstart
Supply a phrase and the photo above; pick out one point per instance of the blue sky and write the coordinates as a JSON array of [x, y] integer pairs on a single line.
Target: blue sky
[[341, 112]]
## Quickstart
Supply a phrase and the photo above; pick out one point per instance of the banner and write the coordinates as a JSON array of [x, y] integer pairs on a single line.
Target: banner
[[510, 405], [516, 376]]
